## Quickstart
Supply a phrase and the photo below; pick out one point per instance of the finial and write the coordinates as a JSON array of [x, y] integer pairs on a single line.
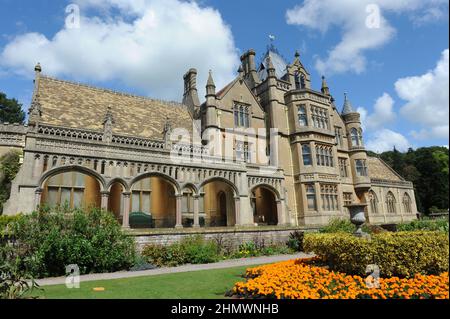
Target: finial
[[325, 90], [38, 68], [210, 81], [297, 54]]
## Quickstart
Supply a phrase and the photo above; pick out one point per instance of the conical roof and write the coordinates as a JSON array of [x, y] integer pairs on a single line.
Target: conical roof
[[277, 60], [348, 108]]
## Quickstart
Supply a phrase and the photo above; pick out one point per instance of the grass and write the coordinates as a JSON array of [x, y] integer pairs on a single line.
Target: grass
[[207, 284]]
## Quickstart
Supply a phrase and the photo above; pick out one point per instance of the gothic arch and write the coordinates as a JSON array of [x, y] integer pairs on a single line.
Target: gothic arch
[[191, 187], [72, 168], [165, 177], [272, 189], [119, 180], [220, 179]]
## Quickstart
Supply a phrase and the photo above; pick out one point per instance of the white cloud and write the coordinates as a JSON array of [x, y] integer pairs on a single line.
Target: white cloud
[[351, 16], [145, 44], [427, 99], [385, 140], [383, 113]]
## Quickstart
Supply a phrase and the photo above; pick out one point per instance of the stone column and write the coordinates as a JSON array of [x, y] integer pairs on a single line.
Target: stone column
[[126, 210], [105, 198], [179, 218], [237, 207], [281, 212], [196, 212], [37, 198]]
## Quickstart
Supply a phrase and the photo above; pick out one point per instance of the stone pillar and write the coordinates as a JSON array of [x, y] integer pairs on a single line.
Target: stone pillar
[[126, 210], [179, 218], [237, 207], [105, 197], [196, 212], [281, 214], [37, 198]]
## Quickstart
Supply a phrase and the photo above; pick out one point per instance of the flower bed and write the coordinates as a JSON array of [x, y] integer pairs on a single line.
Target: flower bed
[[302, 279]]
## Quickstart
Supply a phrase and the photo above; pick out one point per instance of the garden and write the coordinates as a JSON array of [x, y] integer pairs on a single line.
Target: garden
[[409, 263]]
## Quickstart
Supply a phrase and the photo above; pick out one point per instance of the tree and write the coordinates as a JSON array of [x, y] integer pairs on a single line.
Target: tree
[[10, 110]]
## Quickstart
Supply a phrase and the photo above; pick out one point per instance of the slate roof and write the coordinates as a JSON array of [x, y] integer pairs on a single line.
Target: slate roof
[[74, 105], [378, 169]]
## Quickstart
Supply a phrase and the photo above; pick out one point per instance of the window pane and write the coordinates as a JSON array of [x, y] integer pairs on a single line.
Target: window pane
[[53, 196], [65, 196], [78, 198], [135, 202], [146, 202]]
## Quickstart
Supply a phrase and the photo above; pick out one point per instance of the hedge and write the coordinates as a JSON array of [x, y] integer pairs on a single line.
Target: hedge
[[402, 254]]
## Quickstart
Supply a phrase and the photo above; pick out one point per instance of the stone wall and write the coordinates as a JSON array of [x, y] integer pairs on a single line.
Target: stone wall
[[233, 237]]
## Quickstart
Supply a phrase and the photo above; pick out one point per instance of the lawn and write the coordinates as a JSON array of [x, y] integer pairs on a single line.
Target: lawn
[[207, 284]]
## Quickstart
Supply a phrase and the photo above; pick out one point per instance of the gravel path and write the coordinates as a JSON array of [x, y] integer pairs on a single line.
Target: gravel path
[[172, 270]]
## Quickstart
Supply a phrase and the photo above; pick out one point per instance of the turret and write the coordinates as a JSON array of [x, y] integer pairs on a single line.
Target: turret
[[358, 154], [210, 104]]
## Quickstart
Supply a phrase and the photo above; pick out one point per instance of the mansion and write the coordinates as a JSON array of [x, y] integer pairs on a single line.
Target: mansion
[[87, 146]]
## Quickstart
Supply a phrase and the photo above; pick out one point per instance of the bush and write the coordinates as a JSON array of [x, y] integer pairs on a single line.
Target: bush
[[9, 167], [14, 283], [440, 224], [51, 239], [401, 254], [338, 225], [190, 250], [6, 221], [295, 241]]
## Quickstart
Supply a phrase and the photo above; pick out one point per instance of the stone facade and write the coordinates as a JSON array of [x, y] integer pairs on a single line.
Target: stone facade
[[94, 147]]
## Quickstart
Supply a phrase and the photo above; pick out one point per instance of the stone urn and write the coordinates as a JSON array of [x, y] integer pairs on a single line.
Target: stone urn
[[357, 217]]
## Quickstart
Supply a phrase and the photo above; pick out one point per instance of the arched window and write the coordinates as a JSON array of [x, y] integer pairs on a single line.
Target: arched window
[[236, 116], [302, 118], [407, 203], [241, 116], [373, 200], [390, 203], [306, 153], [72, 188], [300, 82]]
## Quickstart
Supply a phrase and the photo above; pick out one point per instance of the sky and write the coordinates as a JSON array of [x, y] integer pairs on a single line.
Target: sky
[[390, 56]]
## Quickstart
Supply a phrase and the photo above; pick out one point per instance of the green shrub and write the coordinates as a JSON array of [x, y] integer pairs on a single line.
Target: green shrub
[[190, 250], [6, 221], [440, 224], [338, 225], [14, 283], [397, 254], [295, 241], [9, 167], [51, 239]]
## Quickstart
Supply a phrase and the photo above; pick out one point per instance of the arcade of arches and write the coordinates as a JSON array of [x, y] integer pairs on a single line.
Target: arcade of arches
[[214, 205]]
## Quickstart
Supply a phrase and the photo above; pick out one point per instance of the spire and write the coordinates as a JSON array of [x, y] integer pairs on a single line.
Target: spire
[[297, 55], [210, 86], [325, 89], [347, 106]]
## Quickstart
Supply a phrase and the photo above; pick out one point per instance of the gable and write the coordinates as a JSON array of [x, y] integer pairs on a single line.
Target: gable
[[378, 169], [238, 91]]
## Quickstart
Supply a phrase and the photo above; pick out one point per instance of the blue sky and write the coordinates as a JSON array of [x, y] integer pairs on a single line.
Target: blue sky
[[396, 74]]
